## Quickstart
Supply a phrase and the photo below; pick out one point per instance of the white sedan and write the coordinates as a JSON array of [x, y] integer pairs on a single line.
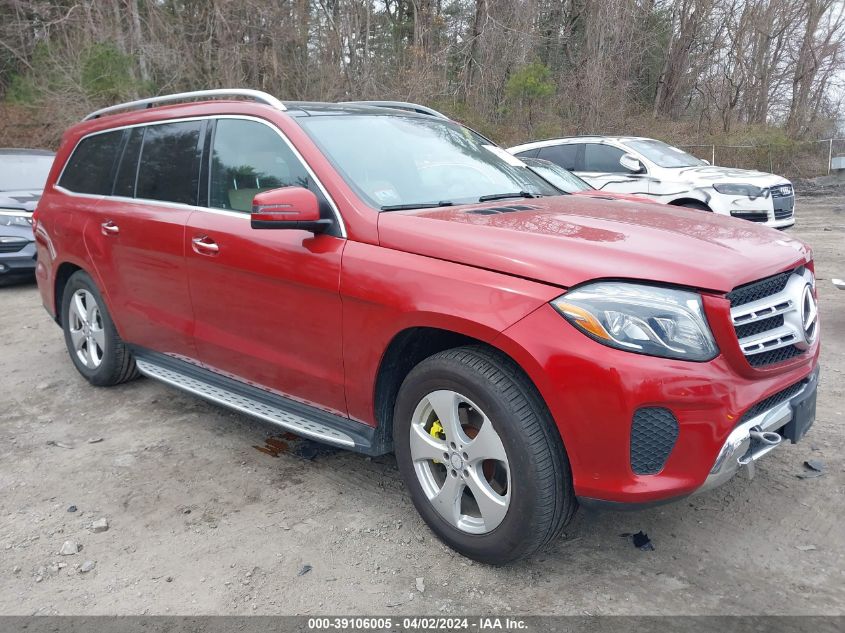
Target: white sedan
[[644, 166]]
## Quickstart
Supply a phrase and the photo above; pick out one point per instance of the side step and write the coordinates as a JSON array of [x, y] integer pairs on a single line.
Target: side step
[[288, 414]]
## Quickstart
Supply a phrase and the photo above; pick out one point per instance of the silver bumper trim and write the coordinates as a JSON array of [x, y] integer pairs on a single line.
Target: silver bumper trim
[[737, 451]]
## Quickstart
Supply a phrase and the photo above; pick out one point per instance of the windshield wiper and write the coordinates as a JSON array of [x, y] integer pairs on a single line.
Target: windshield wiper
[[417, 205], [502, 196]]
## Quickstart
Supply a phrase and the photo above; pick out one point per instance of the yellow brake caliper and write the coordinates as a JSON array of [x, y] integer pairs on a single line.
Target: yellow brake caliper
[[437, 432]]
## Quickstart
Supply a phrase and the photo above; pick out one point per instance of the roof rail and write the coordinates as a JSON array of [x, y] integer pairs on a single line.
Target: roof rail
[[255, 95], [402, 105]]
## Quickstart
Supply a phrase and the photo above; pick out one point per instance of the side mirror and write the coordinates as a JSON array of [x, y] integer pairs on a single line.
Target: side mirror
[[705, 161], [631, 163], [288, 208]]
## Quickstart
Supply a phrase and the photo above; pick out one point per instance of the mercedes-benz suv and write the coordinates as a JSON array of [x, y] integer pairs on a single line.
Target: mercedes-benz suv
[[384, 279]]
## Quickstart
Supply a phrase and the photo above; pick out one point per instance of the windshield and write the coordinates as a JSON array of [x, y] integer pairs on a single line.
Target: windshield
[[561, 178], [24, 171], [408, 162], [664, 155]]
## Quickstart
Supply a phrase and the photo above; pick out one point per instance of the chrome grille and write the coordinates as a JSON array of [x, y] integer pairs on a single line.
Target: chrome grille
[[767, 317], [783, 214]]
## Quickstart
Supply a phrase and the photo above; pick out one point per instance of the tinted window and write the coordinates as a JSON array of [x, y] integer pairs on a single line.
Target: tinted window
[[563, 155], [169, 168], [91, 166], [665, 155], [248, 158], [603, 158], [124, 184], [530, 153]]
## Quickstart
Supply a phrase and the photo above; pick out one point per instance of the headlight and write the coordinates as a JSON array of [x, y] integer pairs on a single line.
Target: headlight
[[15, 220], [736, 189], [642, 319]]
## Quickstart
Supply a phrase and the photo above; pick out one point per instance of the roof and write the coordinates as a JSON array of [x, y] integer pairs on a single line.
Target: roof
[[574, 139], [320, 108], [303, 108]]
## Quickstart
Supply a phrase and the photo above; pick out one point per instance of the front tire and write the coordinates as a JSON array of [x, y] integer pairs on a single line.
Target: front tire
[[95, 347], [699, 206], [479, 453]]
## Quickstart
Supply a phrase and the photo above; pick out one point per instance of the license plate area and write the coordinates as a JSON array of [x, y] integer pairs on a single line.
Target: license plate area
[[803, 414]]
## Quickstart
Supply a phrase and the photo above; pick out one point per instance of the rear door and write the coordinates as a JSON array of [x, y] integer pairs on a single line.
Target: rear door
[[267, 302], [137, 238]]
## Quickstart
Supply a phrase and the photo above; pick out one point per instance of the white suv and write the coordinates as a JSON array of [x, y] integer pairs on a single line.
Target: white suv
[[627, 164]]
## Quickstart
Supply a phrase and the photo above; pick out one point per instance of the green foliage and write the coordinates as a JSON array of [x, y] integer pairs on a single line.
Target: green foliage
[[100, 73], [106, 73], [657, 30], [530, 83]]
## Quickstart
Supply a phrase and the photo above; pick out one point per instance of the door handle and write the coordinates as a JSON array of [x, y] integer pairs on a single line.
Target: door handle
[[204, 245], [109, 228]]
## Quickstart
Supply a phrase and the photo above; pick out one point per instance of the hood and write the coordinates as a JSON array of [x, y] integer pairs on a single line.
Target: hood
[[608, 195], [567, 240], [708, 174], [20, 200]]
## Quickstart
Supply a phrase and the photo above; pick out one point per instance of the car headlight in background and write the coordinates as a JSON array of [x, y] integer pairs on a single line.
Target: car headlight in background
[[736, 189], [15, 219], [641, 319]]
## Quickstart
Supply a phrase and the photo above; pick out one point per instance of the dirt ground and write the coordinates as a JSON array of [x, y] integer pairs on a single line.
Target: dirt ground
[[200, 522]]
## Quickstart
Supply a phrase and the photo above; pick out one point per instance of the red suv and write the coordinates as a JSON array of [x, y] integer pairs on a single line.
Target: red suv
[[384, 279]]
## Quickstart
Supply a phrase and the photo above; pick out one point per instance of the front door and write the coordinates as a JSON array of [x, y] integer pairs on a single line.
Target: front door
[[267, 302], [601, 168]]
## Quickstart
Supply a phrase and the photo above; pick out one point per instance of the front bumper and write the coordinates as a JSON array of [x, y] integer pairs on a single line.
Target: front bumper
[[20, 263], [593, 393], [776, 212], [762, 433]]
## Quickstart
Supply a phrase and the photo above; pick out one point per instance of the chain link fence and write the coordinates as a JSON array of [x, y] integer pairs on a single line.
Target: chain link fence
[[801, 159]]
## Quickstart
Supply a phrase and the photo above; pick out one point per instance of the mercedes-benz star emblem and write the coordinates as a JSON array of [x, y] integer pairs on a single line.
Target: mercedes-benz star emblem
[[809, 314]]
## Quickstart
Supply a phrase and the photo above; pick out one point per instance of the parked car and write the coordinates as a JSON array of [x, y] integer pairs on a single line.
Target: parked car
[[22, 176], [379, 279], [644, 166], [567, 182]]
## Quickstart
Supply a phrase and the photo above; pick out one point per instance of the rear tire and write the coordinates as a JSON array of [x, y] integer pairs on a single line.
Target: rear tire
[[95, 347], [517, 467]]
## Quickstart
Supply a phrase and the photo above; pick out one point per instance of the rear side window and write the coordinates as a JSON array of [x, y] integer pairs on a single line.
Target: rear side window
[[169, 166], [529, 153], [91, 166], [249, 158], [603, 158], [563, 155]]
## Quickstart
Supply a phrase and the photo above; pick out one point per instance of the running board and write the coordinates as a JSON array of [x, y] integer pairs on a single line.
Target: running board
[[288, 414]]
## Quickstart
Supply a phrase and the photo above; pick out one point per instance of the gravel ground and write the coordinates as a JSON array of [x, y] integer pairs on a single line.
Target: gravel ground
[[200, 522]]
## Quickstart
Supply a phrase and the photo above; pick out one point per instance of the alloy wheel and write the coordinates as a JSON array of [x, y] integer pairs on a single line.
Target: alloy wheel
[[460, 462], [85, 323]]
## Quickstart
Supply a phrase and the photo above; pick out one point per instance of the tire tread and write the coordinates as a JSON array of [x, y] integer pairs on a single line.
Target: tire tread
[[556, 503]]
